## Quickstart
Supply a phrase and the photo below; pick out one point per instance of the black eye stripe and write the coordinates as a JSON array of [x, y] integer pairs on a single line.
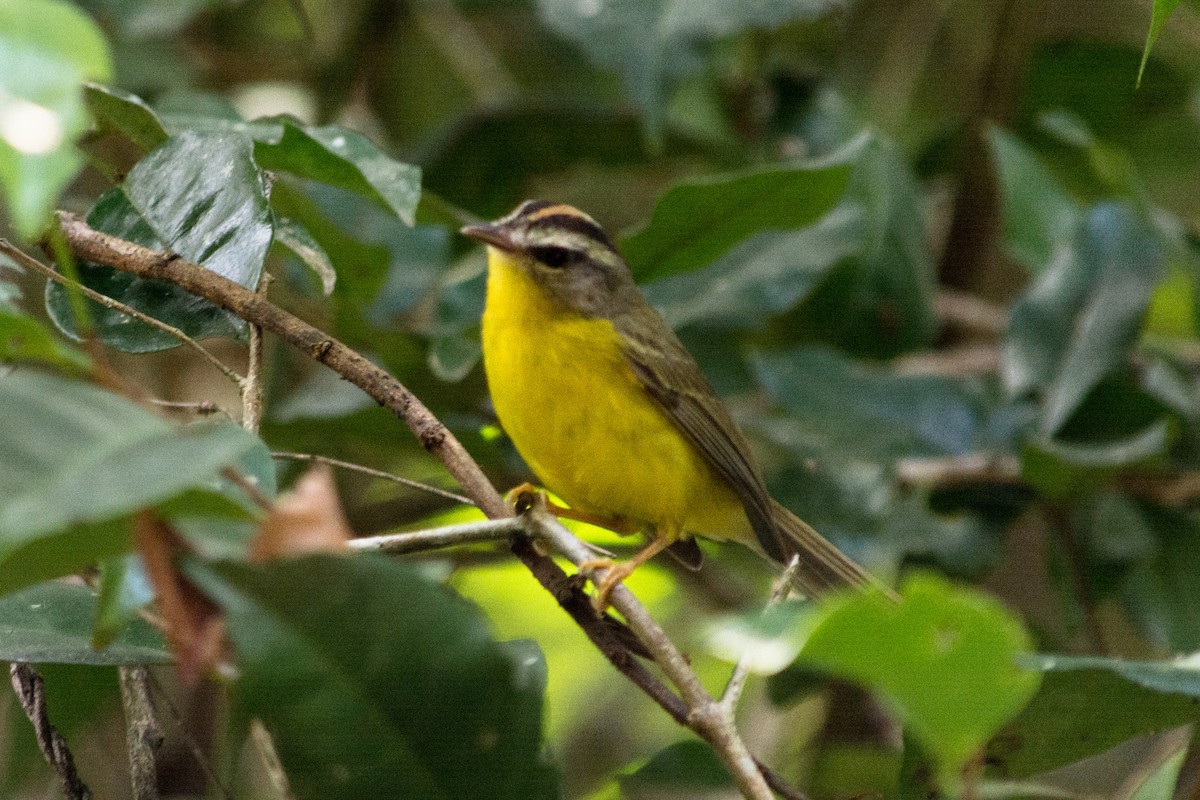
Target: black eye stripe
[[554, 256]]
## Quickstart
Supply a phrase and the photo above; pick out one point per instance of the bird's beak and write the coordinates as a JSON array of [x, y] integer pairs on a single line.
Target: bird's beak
[[489, 233]]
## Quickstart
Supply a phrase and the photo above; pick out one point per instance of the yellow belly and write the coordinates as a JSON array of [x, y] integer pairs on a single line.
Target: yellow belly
[[584, 424]]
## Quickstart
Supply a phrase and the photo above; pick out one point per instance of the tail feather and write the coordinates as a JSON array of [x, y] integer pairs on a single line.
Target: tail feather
[[823, 568]]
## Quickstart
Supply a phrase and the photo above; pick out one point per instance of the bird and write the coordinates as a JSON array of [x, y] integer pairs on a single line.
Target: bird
[[613, 415]]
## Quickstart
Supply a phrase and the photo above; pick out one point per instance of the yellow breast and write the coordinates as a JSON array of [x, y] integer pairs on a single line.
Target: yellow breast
[[567, 398]]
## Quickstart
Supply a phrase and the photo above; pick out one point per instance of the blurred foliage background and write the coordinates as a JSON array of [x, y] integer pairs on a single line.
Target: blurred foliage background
[[940, 256]]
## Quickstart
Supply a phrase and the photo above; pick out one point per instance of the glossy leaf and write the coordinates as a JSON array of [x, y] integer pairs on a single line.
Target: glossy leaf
[[1078, 322], [363, 701], [199, 195], [343, 158], [838, 404], [75, 458], [698, 221], [943, 658], [296, 238], [51, 624], [1040, 217], [1087, 704], [47, 48]]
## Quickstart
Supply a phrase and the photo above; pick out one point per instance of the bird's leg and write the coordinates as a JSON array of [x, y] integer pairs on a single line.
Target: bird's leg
[[516, 497], [619, 572]]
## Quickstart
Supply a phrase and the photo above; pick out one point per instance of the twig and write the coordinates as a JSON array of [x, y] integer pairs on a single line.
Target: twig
[[971, 312], [956, 362], [375, 473], [101, 248], [703, 716], [20, 256], [707, 717], [31, 692], [489, 530], [945, 471], [143, 736], [201, 407], [741, 670], [251, 387]]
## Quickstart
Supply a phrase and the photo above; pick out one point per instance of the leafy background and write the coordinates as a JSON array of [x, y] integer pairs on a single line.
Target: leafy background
[[941, 258]]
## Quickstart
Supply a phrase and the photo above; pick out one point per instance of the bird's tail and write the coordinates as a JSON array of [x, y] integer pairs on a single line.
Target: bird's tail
[[823, 568]]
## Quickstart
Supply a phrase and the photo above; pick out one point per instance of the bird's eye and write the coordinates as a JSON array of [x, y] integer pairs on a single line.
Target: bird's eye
[[554, 256]]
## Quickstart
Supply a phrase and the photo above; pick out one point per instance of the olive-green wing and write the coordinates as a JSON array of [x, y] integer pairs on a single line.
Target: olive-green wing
[[672, 378]]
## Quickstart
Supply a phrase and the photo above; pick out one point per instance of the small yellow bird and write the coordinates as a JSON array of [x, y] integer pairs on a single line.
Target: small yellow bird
[[612, 413]]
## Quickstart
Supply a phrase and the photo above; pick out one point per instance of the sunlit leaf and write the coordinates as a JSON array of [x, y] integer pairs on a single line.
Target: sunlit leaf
[[943, 658], [1158, 17], [47, 48]]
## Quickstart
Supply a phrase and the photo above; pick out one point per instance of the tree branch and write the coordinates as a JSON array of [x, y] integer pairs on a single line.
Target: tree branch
[[31, 692], [375, 473], [143, 736], [696, 709]]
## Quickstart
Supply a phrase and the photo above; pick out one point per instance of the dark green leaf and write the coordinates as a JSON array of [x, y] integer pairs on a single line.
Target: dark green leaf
[[878, 302], [51, 623], [124, 113], [1039, 216], [1163, 592], [838, 404], [23, 338], [125, 589], [1089, 704], [47, 48], [1060, 469], [698, 221], [689, 766], [199, 195], [363, 701], [944, 658], [343, 158], [296, 238], [1077, 323]]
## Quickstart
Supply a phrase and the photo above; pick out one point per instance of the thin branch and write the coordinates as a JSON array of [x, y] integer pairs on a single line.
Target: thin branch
[[708, 718], [101, 248], [202, 407], [741, 670], [971, 312], [375, 473], [143, 736], [252, 391], [490, 530], [21, 257], [31, 692], [701, 713]]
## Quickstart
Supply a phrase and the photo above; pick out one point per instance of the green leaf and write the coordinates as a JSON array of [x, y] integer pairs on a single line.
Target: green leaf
[[879, 302], [1039, 216], [74, 458], [296, 238], [684, 767], [653, 43], [23, 338], [127, 114], [1158, 17], [343, 158], [391, 686], [198, 195], [1061, 469], [1089, 704], [1078, 322], [125, 589], [765, 275], [841, 405], [1163, 592], [51, 623], [943, 658], [47, 48], [700, 220]]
